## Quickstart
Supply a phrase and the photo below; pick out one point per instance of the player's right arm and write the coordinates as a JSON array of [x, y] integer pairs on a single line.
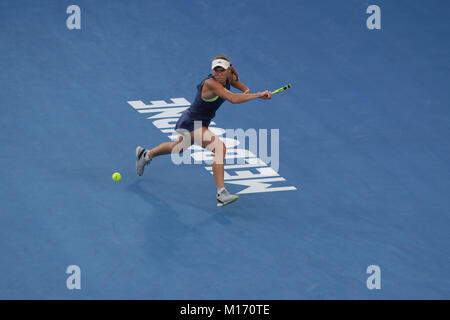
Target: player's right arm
[[234, 98]]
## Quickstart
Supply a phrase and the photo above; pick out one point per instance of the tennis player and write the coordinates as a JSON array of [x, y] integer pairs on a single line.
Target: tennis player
[[212, 92]]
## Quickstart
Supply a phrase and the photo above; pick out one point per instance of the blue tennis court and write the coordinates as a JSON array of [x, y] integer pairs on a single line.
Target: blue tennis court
[[364, 151]]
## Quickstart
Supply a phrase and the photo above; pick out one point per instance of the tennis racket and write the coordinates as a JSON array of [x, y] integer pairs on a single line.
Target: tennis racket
[[282, 89]]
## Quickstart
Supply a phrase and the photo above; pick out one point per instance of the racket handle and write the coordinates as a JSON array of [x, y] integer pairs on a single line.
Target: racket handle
[[282, 89]]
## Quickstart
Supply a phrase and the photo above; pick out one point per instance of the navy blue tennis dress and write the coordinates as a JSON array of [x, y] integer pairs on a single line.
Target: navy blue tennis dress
[[201, 110]]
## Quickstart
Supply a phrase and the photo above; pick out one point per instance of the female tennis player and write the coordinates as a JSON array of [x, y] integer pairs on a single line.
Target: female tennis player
[[211, 93]]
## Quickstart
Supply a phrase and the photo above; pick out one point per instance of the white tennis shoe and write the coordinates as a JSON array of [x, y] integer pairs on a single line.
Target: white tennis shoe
[[140, 161], [224, 198]]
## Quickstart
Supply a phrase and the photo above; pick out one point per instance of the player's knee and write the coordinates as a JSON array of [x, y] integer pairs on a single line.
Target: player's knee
[[179, 146], [221, 149], [181, 149]]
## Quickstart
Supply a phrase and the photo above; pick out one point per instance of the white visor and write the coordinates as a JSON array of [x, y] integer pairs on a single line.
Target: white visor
[[220, 63]]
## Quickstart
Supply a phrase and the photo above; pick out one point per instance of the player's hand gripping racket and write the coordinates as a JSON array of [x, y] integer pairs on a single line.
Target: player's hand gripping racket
[[282, 89]]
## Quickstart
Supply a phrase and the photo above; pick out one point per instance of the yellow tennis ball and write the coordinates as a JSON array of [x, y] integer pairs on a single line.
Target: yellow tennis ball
[[116, 176]]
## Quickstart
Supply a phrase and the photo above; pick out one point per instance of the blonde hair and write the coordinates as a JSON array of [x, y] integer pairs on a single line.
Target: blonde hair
[[232, 68]]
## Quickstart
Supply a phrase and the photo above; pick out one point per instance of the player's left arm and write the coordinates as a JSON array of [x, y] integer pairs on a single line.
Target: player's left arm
[[239, 85]]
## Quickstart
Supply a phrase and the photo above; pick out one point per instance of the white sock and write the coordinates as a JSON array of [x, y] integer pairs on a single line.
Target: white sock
[[146, 156], [219, 191]]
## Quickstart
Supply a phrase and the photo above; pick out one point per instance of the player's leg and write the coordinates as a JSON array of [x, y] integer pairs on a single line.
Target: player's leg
[[208, 140], [167, 147], [144, 156]]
